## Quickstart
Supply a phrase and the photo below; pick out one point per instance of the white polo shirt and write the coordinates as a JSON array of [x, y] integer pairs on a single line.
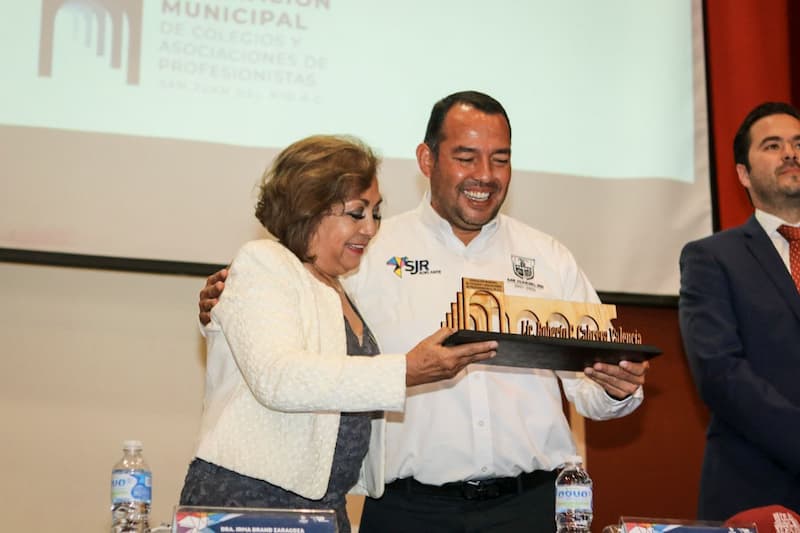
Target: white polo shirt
[[488, 421]]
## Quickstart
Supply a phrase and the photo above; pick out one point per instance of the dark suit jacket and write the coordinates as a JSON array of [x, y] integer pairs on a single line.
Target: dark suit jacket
[[740, 321]]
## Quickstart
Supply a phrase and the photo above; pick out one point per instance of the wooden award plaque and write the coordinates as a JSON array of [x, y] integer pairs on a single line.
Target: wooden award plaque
[[537, 333]]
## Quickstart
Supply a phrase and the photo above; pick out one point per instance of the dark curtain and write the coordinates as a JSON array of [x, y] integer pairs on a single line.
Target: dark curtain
[[749, 51]]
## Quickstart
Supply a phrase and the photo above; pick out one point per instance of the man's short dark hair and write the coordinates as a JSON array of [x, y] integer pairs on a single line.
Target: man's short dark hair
[[480, 101], [743, 139]]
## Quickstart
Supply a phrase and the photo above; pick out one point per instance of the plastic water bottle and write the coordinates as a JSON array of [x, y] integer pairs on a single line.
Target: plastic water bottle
[[131, 491], [573, 498]]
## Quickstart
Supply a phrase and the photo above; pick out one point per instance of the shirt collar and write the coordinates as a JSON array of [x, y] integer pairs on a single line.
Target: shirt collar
[[770, 222]]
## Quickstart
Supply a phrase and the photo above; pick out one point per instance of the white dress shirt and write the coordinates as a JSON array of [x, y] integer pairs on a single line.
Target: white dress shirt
[[488, 421], [770, 223]]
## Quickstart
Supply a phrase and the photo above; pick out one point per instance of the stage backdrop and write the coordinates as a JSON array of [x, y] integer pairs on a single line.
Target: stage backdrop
[[140, 128]]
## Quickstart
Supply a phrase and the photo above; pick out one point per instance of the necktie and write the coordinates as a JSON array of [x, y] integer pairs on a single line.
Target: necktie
[[792, 235]]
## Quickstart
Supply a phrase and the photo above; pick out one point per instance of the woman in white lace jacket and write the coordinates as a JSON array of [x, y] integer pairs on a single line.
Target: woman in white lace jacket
[[289, 416]]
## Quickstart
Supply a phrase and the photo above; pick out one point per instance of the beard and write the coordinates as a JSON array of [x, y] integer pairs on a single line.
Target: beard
[[779, 191]]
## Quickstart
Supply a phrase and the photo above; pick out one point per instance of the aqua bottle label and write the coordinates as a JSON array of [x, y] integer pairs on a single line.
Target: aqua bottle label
[[131, 486], [573, 498]]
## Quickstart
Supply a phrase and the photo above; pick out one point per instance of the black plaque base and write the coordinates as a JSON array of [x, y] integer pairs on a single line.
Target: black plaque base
[[553, 353]]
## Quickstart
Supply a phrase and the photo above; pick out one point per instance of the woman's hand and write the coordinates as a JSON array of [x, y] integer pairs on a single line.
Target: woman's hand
[[429, 361]]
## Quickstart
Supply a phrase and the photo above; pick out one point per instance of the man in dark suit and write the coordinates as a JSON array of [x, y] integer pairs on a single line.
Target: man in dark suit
[[740, 320]]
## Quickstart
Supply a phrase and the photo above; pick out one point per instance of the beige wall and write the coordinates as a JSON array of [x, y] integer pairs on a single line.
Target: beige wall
[[90, 358]]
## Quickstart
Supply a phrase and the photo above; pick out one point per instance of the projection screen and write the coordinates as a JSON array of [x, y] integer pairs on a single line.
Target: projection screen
[[140, 128]]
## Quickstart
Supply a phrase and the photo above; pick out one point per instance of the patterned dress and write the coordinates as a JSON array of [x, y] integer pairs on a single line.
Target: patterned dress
[[210, 485]]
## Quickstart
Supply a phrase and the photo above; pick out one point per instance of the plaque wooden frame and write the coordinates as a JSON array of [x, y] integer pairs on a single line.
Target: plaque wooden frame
[[539, 333], [553, 353]]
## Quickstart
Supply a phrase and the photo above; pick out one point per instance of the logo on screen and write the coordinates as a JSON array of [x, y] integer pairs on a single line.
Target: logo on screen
[[523, 266], [98, 22]]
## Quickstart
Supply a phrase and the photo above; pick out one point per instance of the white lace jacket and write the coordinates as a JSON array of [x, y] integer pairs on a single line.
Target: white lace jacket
[[278, 376]]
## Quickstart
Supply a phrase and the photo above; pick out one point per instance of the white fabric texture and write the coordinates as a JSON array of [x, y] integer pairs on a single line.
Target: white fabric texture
[[488, 421], [278, 375]]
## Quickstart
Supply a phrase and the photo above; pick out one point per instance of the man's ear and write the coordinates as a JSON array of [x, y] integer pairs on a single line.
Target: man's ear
[[744, 175], [425, 159]]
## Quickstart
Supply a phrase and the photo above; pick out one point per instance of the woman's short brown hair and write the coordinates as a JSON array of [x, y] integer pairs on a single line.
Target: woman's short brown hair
[[306, 180]]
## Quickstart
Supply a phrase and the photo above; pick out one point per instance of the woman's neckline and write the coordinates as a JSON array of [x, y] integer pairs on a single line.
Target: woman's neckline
[[331, 281]]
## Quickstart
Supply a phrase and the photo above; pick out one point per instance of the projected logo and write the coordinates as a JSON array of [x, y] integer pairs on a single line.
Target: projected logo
[[119, 18]]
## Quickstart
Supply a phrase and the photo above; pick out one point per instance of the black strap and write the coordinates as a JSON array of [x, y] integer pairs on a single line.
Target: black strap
[[477, 489]]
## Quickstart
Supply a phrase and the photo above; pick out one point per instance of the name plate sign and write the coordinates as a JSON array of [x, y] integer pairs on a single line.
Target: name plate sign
[[651, 525], [191, 519]]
